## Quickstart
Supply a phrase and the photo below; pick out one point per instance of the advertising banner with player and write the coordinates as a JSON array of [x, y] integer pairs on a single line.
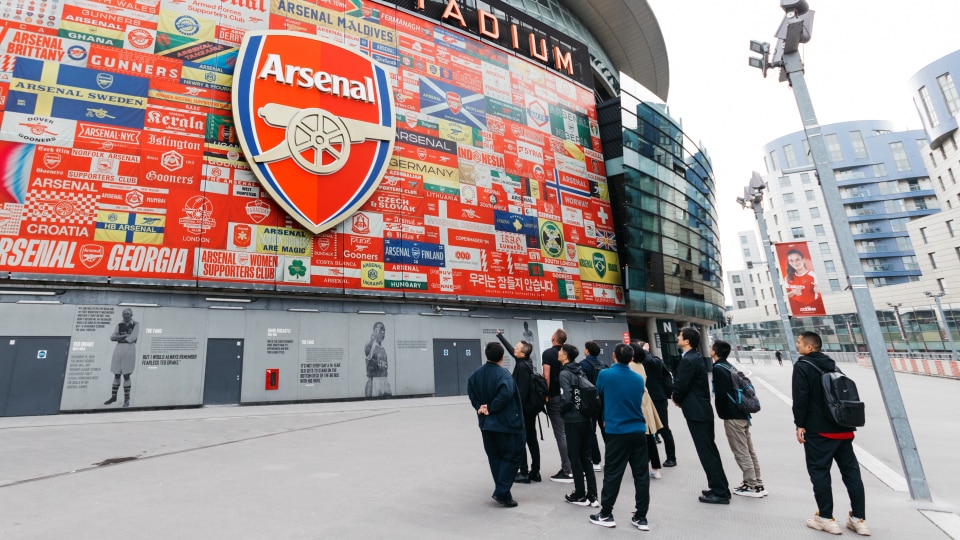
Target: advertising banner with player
[[802, 287], [336, 146]]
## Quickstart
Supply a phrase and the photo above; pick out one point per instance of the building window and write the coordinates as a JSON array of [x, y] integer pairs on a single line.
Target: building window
[[743, 239], [804, 178], [928, 107], [784, 181], [741, 304], [806, 150], [950, 228], [751, 277], [776, 220], [949, 93], [824, 248], [957, 250], [940, 181], [953, 179], [791, 158], [835, 285], [933, 260], [815, 212], [746, 253], [833, 147], [793, 215], [788, 198], [880, 170], [900, 156], [819, 230], [797, 232], [810, 195], [829, 266], [941, 285], [773, 160], [923, 234], [933, 160], [736, 278], [738, 291], [859, 147]]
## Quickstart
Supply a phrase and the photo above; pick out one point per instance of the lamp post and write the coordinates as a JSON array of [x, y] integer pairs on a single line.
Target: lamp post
[[796, 28], [853, 341], [753, 198], [943, 320], [903, 333], [733, 338]]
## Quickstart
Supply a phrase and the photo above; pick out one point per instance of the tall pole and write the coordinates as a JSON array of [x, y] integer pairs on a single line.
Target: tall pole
[[792, 31], [756, 196], [946, 323], [733, 338]]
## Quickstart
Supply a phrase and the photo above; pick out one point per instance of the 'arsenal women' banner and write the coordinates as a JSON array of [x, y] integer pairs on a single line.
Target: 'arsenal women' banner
[[803, 290]]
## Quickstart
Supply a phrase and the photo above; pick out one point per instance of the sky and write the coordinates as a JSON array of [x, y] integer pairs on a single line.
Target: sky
[[857, 66]]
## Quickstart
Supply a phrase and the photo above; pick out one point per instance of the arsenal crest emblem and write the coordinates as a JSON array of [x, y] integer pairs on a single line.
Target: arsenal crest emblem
[[316, 122]]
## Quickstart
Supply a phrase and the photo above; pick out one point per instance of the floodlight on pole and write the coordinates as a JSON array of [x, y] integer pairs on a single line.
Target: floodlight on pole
[[796, 28]]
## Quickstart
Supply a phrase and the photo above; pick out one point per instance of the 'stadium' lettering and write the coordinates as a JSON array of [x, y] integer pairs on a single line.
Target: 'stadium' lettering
[[324, 82]]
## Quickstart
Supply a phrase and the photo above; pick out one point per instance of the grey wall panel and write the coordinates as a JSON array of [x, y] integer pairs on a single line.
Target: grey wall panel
[[37, 319], [172, 358], [323, 362], [271, 340], [414, 360], [225, 323], [382, 356]]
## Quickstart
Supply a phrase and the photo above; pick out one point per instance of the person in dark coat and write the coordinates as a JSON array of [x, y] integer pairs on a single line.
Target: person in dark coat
[[522, 372], [579, 430], [660, 394], [693, 396], [494, 396], [824, 441]]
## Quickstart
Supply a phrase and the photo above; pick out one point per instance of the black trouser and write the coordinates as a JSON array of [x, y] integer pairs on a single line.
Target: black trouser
[[668, 445], [702, 434], [503, 452], [821, 452], [578, 446], [654, 454], [530, 424], [595, 446], [622, 449]]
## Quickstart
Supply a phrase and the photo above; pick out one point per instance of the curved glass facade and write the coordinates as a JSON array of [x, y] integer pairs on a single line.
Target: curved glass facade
[[664, 206]]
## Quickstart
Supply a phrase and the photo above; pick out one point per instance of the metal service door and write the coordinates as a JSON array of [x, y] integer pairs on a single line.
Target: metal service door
[[222, 376], [453, 362], [31, 374]]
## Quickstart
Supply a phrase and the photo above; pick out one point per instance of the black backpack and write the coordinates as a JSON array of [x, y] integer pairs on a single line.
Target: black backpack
[[586, 398], [841, 398], [537, 398], [744, 397], [598, 366]]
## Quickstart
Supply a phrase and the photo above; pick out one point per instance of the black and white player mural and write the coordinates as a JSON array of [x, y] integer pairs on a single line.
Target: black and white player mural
[[124, 360], [376, 361]]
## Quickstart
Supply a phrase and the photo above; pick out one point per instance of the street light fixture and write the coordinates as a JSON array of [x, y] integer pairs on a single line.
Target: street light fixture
[[943, 319], [903, 333], [753, 199], [796, 28]]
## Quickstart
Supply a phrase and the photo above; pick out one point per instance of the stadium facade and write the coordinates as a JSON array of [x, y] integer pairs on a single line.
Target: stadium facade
[[252, 201]]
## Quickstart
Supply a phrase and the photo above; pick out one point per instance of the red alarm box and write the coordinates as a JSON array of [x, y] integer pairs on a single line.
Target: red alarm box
[[273, 379]]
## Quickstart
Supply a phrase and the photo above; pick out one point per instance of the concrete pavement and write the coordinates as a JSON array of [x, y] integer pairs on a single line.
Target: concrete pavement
[[415, 468]]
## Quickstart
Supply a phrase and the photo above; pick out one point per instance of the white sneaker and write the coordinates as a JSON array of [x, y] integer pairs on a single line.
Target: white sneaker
[[654, 473], [857, 525], [825, 525]]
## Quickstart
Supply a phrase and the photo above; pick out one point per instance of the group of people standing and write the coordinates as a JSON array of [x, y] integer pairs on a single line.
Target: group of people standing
[[635, 391]]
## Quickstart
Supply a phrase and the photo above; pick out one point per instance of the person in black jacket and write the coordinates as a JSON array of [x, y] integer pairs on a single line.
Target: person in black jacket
[[522, 372], [551, 372], [496, 400], [693, 396], [591, 365], [736, 423], [824, 441], [660, 394], [579, 430]]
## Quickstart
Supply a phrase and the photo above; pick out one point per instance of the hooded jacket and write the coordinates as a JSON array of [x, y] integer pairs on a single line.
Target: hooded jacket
[[570, 379], [809, 405]]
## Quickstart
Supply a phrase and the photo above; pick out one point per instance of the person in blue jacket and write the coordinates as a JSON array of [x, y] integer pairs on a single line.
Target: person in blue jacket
[[494, 396]]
